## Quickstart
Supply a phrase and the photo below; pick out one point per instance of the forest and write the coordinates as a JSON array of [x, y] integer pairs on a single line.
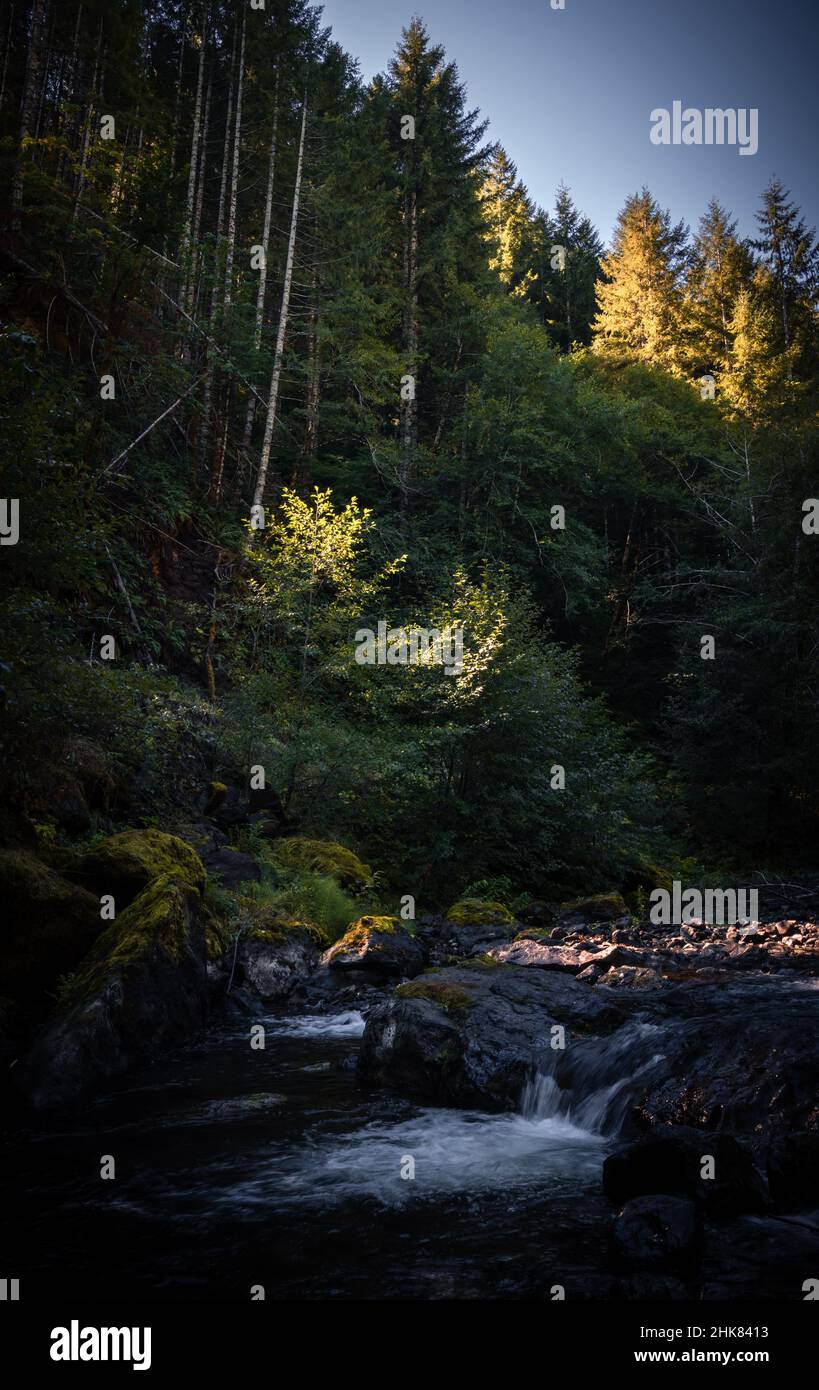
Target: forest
[[294, 365]]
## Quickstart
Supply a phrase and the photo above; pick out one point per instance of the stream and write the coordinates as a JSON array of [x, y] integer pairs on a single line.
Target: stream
[[238, 1168]]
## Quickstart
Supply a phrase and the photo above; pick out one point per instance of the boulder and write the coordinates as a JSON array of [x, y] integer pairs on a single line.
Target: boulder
[[231, 867], [323, 857], [277, 959], [379, 944], [142, 987], [124, 864], [474, 912], [48, 923], [741, 1055], [657, 1232], [793, 1171], [474, 1034], [671, 1161]]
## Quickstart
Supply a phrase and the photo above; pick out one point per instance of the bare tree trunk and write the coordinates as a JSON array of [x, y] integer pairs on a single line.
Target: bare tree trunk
[[44, 79], [234, 179], [203, 155], [304, 466], [204, 440], [409, 407], [86, 138], [260, 293], [29, 104], [275, 379], [197, 117], [72, 84], [6, 56]]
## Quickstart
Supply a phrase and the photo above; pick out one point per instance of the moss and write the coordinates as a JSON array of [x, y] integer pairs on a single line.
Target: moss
[[483, 962], [324, 857], [597, 907], [48, 923], [124, 864], [449, 998], [276, 931], [158, 919], [472, 912], [214, 946], [535, 934]]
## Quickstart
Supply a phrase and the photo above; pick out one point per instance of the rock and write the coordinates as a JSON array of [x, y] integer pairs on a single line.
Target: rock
[[630, 977], [657, 1232], [276, 960], [527, 952], [741, 1055], [323, 857], [793, 1171], [379, 944], [231, 867], [143, 986], [671, 1161], [472, 1035], [124, 864], [600, 907], [473, 912], [48, 923]]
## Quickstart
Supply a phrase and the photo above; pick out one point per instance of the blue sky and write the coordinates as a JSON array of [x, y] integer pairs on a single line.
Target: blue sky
[[569, 93]]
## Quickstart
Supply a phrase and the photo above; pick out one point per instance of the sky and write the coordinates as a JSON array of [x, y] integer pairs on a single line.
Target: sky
[[569, 93]]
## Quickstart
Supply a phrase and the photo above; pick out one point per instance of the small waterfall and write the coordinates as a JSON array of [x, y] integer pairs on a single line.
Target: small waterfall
[[592, 1084]]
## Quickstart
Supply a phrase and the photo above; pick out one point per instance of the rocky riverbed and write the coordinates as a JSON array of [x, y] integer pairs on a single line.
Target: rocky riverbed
[[465, 1105]]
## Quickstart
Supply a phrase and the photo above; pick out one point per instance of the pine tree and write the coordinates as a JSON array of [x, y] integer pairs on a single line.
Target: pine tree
[[721, 266], [639, 299]]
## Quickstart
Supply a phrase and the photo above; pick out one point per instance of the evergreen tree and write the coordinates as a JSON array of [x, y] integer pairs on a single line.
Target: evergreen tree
[[639, 299]]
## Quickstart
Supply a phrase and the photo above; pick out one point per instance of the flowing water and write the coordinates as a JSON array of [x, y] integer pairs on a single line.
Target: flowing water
[[237, 1168]]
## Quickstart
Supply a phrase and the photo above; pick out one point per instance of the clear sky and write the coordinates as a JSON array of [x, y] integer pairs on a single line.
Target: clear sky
[[569, 92]]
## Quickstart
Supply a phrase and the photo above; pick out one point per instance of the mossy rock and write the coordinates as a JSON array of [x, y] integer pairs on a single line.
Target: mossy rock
[[142, 986], [472, 912], [324, 857], [449, 998], [48, 923], [600, 907], [278, 931], [124, 864], [382, 944]]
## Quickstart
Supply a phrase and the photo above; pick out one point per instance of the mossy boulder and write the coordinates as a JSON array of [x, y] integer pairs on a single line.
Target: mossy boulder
[[124, 864], [473, 912], [48, 923], [599, 907], [142, 987], [324, 857], [380, 944]]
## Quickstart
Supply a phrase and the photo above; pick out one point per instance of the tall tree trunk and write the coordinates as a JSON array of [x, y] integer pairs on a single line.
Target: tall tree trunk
[[68, 128], [304, 467], [409, 408], [28, 108], [86, 136], [44, 77], [207, 400], [189, 202], [275, 379], [6, 56], [234, 178], [250, 414]]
